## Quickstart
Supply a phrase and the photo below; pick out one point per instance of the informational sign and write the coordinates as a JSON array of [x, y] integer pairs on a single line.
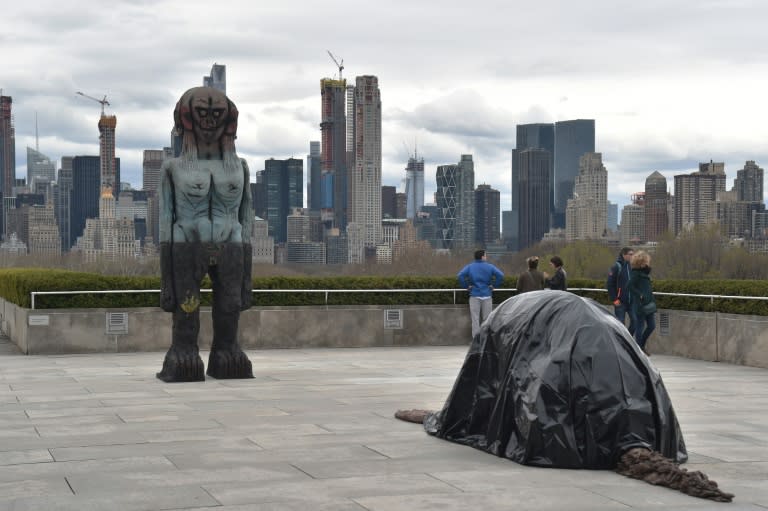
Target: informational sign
[[38, 320], [393, 319], [117, 323]]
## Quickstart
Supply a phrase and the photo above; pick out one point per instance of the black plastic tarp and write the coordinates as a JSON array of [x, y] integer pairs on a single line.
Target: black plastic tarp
[[554, 380]]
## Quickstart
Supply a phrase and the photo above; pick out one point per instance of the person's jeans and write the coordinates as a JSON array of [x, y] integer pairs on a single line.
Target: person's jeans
[[621, 312], [479, 310], [642, 335]]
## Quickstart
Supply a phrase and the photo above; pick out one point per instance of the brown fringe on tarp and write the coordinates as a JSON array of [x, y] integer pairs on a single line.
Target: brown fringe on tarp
[[416, 415], [638, 463], [653, 468]]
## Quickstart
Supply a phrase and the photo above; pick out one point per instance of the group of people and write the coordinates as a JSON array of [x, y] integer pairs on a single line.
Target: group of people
[[535, 280], [479, 278], [631, 292], [629, 288]]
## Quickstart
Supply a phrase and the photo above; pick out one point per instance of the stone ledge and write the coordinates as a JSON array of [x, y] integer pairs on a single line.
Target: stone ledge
[[717, 337]]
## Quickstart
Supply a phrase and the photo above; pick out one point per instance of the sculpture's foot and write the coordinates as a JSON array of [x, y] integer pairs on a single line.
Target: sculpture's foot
[[415, 415], [182, 365], [224, 364]]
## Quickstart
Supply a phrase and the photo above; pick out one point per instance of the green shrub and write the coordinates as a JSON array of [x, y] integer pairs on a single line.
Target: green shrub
[[16, 284]]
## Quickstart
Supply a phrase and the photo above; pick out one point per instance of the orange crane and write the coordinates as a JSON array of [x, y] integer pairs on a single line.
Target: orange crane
[[103, 101], [335, 61]]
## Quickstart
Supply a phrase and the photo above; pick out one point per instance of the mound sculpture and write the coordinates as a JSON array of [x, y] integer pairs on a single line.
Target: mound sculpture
[[554, 380], [205, 227]]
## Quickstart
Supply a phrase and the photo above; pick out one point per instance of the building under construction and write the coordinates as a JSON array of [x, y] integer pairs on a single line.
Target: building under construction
[[109, 177], [333, 149]]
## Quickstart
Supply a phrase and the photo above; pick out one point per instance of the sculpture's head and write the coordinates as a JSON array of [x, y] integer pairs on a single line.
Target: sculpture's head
[[206, 112]]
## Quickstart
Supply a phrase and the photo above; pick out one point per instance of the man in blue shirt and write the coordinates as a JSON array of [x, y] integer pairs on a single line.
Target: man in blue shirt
[[479, 277]]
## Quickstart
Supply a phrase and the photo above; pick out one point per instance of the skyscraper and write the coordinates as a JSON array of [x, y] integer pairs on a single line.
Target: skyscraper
[[529, 136], [108, 235], [735, 216], [350, 128], [364, 191], [284, 191], [487, 215], [44, 235], [736, 209], [388, 203], [7, 154], [41, 171], [613, 217], [63, 201], [455, 196], [534, 187], [749, 183], [446, 199], [696, 193], [401, 205], [333, 153], [572, 140], [86, 185], [314, 199], [632, 227], [586, 212], [465, 204], [152, 161], [656, 202], [110, 173], [414, 186], [7, 146], [217, 79], [259, 195]]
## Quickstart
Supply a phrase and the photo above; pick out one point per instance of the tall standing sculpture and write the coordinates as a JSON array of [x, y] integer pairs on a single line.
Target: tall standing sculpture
[[205, 227]]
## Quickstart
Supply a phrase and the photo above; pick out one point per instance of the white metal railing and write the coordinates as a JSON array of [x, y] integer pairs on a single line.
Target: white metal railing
[[712, 298], [327, 292]]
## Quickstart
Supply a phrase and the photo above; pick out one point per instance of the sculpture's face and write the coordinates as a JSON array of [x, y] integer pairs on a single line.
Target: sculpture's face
[[210, 114]]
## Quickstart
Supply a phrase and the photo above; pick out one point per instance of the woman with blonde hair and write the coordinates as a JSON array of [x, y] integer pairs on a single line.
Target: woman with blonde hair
[[641, 297]]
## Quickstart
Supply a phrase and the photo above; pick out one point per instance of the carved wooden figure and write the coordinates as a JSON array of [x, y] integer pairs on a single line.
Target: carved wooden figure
[[205, 227]]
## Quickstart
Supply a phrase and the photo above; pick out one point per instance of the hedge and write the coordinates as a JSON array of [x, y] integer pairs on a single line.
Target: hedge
[[16, 284]]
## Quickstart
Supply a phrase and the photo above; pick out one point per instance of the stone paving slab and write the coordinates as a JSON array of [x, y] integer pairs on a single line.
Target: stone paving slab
[[314, 431]]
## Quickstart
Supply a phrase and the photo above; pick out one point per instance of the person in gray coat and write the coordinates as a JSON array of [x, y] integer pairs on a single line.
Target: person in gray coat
[[531, 280]]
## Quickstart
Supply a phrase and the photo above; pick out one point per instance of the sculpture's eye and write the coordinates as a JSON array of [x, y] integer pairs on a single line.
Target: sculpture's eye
[[202, 112], [217, 113]]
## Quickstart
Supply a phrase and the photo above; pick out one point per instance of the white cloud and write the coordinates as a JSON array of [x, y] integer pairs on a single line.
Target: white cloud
[[669, 83]]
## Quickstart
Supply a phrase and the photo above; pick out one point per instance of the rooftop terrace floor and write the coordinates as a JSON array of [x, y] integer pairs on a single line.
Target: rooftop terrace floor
[[314, 431]]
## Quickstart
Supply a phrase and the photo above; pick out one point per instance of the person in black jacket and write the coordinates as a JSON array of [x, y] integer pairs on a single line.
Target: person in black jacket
[[618, 280], [643, 302], [558, 281]]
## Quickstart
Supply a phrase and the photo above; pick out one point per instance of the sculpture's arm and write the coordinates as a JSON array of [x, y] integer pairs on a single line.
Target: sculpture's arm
[[167, 217], [245, 214], [167, 206]]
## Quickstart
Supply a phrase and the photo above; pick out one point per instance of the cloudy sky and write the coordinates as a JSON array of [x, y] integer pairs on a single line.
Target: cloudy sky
[[669, 84]]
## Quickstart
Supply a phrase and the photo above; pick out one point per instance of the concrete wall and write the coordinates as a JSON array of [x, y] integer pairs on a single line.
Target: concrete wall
[[742, 339], [689, 334], [729, 338], [149, 329], [733, 338]]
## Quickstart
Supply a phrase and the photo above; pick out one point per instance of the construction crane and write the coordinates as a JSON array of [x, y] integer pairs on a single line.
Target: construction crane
[[335, 61], [103, 101]]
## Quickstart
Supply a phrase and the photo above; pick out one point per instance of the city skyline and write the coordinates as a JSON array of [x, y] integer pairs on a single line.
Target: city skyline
[[659, 91]]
